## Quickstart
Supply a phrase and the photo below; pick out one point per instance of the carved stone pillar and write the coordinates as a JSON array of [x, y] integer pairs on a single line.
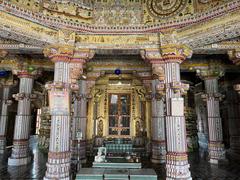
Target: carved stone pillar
[[234, 114], [168, 62], [158, 127], [68, 66], [6, 84], [79, 122], [20, 151], [210, 75]]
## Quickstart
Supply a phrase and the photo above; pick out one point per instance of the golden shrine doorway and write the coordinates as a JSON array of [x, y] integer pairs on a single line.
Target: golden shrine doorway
[[119, 115], [119, 108]]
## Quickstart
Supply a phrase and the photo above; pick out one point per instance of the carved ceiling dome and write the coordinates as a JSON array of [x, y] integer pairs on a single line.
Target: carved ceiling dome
[[165, 8]]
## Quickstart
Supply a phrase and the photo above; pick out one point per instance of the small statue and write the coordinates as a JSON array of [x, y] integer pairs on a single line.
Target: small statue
[[101, 155]]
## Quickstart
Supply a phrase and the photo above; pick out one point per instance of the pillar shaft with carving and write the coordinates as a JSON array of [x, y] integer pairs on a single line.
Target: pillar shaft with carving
[[4, 117], [20, 151], [167, 62], [79, 123], [234, 116], [158, 127], [58, 165], [68, 67], [210, 75]]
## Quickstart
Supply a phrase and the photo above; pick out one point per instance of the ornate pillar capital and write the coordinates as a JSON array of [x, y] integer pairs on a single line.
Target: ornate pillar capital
[[3, 53], [212, 71], [26, 70], [59, 52], [79, 57], [154, 57], [8, 81], [234, 56], [171, 49], [237, 88]]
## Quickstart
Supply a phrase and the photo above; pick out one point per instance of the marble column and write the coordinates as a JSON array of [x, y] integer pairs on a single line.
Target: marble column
[[20, 151], [167, 61], [58, 164], [79, 123], [212, 97], [4, 117], [158, 127], [68, 67]]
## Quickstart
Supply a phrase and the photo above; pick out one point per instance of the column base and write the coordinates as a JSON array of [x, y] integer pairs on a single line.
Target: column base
[[157, 161], [83, 161], [177, 167], [2, 145], [158, 152], [216, 152], [167, 178], [78, 150], [58, 166], [67, 178], [19, 161], [57, 171]]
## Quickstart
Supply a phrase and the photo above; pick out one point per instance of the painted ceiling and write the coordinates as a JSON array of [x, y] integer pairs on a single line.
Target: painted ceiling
[[118, 12]]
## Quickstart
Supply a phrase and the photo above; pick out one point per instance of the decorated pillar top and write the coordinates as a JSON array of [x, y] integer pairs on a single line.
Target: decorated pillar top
[[3, 53], [214, 70], [170, 50], [79, 57], [234, 56], [59, 52], [26, 70], [8, 81]]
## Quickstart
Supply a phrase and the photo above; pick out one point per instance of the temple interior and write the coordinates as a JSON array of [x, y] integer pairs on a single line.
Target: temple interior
[[120, 89]]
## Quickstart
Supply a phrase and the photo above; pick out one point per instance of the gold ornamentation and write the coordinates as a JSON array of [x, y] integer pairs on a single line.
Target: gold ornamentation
[[100, 127], [165, 8]]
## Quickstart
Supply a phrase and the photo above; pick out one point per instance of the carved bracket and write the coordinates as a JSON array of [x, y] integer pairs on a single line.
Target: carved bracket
[[22, 96], [217, 96], [179, 87]]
